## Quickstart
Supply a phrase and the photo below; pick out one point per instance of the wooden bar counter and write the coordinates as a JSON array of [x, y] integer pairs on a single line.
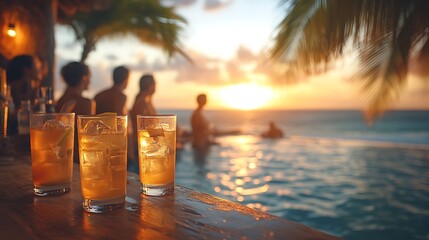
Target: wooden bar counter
[[187, 214]]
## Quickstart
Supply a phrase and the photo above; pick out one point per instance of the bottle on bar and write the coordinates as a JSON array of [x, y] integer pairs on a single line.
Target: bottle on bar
[[42, 100], [50, 107], [4, 106], [3, 116], [24, 117]]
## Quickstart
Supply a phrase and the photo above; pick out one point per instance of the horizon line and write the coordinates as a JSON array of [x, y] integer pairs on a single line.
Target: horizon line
[[296, 109]]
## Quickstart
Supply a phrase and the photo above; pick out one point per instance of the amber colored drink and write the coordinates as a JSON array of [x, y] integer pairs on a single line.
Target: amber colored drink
[[157, 158], [103, 161], [51, 141], [103, 166], [51, 151], [157, 153]]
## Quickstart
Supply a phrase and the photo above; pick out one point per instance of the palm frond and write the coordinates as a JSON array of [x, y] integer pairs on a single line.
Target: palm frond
[[290, 29], [386, 33], [148, 21], [393, 74]]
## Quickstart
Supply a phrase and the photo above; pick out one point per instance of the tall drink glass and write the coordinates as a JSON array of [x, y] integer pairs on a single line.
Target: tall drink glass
[[51, 140], [103, 161], [157, 153]]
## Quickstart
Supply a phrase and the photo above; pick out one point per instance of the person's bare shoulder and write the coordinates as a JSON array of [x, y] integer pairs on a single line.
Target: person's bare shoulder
[[84, 100], [138, 106], [85, 106], [122, 98], [100, 94]]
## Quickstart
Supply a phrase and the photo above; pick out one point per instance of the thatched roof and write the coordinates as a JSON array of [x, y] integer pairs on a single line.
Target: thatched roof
[[67, 8], [31, 17], [35, 20]]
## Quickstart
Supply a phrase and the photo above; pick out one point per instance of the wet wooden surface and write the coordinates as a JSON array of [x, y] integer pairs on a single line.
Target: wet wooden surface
[[186, 214]]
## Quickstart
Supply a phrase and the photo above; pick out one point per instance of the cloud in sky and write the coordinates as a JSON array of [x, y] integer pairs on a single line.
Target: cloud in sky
[[204, 69], [111, 57], [179, 3], [245, 55], [235, 73], [209, 5], [141, 64], [199, 74]]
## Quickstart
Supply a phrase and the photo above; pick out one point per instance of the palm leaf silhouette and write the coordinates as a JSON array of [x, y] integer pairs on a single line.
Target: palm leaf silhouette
[[388, 36]]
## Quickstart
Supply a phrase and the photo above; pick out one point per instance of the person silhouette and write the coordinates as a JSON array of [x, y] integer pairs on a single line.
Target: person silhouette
[[23, 77], [272, 132], [77, 77], [113, 99], [143, 101], [142, 106], [201, 131]]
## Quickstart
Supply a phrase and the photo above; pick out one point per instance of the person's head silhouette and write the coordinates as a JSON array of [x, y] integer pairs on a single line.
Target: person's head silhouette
[[76, 74], [201, 100], [147, 84], [120, 76], [22, 67], [23, 75]]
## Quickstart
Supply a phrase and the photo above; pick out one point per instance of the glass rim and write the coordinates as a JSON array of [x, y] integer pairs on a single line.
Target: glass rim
[[157, 116], [53, 114], [98, 117]]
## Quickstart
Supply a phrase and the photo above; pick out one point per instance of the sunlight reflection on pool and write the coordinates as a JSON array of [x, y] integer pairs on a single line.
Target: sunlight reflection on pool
[[356, 190]]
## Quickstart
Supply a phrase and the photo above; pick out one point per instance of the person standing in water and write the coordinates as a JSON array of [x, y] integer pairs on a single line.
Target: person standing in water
[[273, 132], [201, 131]]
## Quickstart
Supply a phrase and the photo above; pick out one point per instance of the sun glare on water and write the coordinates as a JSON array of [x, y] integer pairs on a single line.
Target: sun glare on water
[[246, 96]]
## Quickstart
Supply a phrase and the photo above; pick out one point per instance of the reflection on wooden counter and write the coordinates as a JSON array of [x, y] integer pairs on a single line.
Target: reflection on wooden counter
[[186, 214]]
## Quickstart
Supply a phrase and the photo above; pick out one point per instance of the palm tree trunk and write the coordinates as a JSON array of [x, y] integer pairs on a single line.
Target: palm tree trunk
[[50, 10], [87, 48]]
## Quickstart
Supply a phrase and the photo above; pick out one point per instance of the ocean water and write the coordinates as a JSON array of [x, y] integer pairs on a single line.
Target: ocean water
[[331, 171]]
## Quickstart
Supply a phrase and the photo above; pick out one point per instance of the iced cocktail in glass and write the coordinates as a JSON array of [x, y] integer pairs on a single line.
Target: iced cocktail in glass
[[103, 161], [51, 140], [157, 153]]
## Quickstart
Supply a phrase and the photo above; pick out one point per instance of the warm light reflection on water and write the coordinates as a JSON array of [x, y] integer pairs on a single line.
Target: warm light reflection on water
[[356, 190], [241, 176]]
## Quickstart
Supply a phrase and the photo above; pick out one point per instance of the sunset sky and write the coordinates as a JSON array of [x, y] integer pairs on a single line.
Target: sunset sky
[[227, 41]]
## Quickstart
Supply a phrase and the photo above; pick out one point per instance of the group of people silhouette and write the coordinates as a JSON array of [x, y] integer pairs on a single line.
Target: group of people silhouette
[[23, 76]]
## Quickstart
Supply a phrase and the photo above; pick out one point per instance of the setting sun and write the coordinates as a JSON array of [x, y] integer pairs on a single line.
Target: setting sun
[[246, 96]]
